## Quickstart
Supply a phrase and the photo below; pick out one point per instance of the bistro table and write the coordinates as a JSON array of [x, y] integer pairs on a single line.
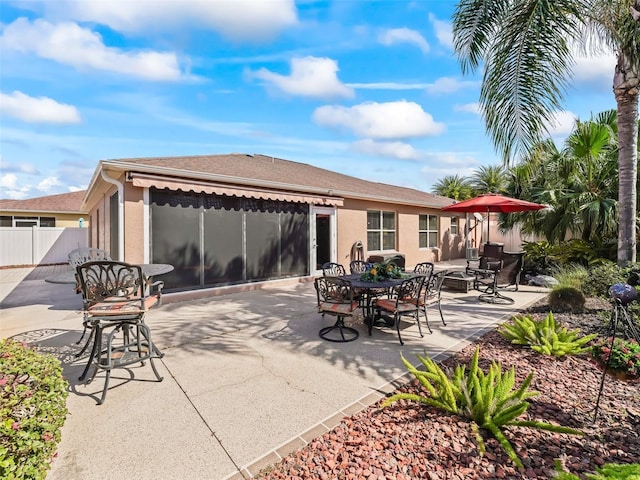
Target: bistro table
[[148, 269], [369, 291]]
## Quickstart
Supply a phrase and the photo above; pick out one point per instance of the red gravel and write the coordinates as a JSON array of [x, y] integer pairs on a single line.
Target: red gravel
[[411, 441]]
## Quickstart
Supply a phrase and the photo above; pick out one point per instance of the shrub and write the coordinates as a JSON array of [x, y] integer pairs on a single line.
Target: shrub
[[545, 336], [488, 400], [600, 278], [538, 258], [32, 410], [625, 354], [566, 299], [571, 275]]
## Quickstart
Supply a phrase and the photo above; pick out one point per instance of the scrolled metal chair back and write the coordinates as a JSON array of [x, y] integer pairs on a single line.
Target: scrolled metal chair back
[[424, 268], [104, 280], [333, 290], [331, 269], [359, 266]]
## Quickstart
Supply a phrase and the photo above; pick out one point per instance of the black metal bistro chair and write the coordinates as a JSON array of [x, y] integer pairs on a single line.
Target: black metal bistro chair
[[404, 300], [331, 269], [359, 266], [335, 297], [431, 295], [116, 299], [424, 268]]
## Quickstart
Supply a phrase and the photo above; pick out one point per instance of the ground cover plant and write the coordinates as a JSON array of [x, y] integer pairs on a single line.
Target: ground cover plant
[[32, 410], [414, 441]]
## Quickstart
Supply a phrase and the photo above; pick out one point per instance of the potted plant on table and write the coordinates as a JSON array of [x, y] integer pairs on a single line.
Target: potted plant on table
[[381, 271]]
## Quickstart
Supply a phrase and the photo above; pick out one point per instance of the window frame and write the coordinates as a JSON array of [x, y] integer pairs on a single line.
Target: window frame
[[428, 231], [455, 226], [382, 230]]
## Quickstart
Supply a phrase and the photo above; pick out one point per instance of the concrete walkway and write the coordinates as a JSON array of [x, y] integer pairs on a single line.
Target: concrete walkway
[[247, 380]]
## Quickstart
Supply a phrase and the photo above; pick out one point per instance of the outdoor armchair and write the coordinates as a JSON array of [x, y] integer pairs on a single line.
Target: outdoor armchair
[[335, 297], [424, 268], [331, 269], [115, 300], [431, 295], [404, 301]]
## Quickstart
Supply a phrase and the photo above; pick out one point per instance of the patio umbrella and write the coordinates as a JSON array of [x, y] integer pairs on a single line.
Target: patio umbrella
[[492, 202]]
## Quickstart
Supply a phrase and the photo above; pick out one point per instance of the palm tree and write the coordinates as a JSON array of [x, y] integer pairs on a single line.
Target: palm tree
[[453, 186], [526, 48], [489, 179], [579, 183]]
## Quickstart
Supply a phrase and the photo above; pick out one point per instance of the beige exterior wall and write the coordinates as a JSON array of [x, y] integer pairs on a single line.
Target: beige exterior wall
[[134, 224], [352, 226]]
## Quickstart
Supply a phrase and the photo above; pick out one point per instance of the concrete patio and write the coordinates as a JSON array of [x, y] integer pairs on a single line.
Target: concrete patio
[[246, 377]]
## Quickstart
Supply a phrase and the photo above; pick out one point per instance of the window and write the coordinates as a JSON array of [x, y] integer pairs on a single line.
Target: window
[[381, 230], [454, 226], [18, 221], [428, 231]]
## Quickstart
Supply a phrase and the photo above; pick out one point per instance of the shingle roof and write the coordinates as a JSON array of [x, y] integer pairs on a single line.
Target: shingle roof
[[63, 202], [257, 169]]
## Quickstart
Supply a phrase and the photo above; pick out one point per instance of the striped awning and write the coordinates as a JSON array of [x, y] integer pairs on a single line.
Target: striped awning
[[197, 186]]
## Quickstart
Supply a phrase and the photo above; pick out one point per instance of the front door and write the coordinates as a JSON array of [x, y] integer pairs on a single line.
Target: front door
[[323, 238]]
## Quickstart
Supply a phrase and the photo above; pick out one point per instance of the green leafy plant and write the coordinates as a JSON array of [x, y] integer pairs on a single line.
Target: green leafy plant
[[539, 258], [545, 336], [489, 400], [609, 471], [600, 278], [381, 271], [566, 299], [571, 275], [624, 353], [32, 410]]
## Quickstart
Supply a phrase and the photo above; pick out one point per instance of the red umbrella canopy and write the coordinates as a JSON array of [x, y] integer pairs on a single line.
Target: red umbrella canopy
[[492, 202]]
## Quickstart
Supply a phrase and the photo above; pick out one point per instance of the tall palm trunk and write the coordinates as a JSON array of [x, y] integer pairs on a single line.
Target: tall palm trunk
[[626, 85]]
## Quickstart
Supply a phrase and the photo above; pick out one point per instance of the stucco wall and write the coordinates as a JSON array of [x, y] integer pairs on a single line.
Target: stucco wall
[[352, 226], [134, 224]]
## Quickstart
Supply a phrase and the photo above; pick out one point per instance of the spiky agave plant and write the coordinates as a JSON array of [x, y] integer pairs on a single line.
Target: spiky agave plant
[[546, 336], [489, 400]]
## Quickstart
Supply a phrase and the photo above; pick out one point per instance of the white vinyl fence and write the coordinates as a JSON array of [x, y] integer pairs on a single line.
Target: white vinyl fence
[[39, 245]]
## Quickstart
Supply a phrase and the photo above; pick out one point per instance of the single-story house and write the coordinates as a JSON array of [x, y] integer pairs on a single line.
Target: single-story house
[[239, 218], [63, 210]]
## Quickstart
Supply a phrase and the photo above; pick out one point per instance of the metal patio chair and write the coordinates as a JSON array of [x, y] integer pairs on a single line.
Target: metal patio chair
[[404, 300], [424, 268], [431, 295], [335, 297], [115, 300], [331, 269]]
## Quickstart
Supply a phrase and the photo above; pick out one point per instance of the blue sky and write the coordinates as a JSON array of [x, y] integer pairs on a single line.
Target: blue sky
[[370, 89]]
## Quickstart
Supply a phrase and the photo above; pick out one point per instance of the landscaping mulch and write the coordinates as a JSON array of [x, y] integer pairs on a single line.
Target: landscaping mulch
[[411, 441]]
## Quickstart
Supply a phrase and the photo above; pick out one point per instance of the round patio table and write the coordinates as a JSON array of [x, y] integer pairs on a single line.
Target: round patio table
[[148, 269]]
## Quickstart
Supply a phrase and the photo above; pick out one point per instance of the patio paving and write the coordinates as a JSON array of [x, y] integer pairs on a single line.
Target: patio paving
[[246, 377]]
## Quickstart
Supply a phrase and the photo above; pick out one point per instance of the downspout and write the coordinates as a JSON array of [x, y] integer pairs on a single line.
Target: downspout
[[120, 186]]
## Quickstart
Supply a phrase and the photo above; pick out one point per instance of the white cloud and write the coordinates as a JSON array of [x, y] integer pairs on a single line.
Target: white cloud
[[48, 183], [403, 35], [391, 120], [443, 30], [399, 150], [37, 110], [389, 86], [310, 77], [468, 107], [450, 85], [27, 168], [596, 70], [9, 187], [237, 19], [562, 123], [70, 44]]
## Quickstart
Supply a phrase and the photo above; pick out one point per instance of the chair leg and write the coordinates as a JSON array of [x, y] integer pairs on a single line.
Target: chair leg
[[397, 322], [418, 321], [441, 316], [426, 318], [342, 328]]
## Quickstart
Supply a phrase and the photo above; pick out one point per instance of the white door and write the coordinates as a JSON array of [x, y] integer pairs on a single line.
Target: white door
[[323, 238]]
